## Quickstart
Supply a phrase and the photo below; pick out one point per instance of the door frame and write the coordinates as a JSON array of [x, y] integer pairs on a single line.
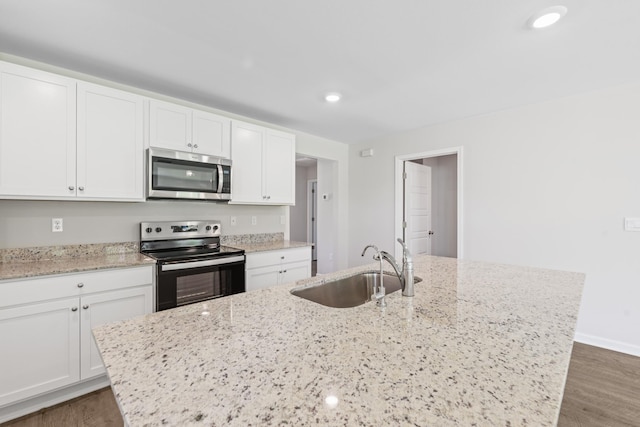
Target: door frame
[[310, 223], [399, 193]]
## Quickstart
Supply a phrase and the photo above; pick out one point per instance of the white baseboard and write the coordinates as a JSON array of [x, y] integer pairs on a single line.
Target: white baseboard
[[34, 404], [618, 346]]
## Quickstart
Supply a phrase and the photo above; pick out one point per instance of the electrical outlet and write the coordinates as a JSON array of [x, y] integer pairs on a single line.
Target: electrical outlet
[[234, 221], [56, 225], [282, 219], [254, 220]]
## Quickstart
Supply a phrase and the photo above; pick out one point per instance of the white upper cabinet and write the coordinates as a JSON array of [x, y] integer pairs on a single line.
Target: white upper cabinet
[[65, 139], [37, 133], [175, 127], [263, 170], [110, 148]]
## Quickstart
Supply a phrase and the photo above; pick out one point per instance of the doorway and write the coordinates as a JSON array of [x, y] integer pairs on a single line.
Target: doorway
[[303, 216], [428, 202]]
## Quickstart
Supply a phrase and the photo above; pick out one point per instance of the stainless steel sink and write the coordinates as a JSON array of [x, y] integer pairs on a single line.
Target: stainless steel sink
[[351, 291]]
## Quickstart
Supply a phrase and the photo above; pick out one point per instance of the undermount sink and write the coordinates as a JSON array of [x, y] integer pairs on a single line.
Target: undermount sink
[[350, 291]]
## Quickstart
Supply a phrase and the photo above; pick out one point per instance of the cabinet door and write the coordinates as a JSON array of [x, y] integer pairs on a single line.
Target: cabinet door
[[110, 144], [104, 308], [170, 126], [40, 348], [246, 155], [295, 271], [264, 277], [279, 168], [211, 134], [37, 133]]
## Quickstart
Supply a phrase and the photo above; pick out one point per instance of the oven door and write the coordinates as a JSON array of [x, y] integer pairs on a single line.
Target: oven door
[[186, 282]]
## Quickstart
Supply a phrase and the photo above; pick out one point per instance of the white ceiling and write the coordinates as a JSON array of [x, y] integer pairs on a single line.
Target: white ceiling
[[400, 64]]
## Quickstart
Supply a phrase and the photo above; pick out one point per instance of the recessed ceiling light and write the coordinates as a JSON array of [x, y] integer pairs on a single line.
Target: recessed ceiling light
[[332, 97], [547, 17]]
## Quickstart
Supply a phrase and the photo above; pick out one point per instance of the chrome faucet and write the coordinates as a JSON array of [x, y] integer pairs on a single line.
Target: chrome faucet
[[405, 274], [378, 293]]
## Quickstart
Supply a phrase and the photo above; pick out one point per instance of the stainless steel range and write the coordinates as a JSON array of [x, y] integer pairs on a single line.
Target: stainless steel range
[[192, 266]]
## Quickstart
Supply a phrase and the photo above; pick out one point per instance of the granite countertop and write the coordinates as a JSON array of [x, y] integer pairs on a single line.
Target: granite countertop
[[479, 344], [44, 261], [269, 246]]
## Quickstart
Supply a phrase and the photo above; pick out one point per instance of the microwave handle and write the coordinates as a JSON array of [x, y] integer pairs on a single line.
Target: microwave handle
[[220, 179]]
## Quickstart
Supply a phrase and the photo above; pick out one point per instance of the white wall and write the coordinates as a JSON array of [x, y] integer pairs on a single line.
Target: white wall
[[444, 181], [333, 178], [545, 185]]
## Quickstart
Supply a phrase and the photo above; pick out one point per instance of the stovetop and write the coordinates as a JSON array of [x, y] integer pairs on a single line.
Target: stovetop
[[183, 240]]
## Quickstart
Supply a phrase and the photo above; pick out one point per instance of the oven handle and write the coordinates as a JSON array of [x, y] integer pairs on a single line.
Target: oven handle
[[207, 263]]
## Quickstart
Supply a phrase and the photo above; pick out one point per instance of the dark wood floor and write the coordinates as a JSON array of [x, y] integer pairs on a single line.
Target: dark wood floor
[[603, 389]]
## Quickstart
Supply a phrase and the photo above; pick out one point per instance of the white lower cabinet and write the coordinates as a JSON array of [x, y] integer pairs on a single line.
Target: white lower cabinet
[[45, 327], [105, 308], [272, 268], [40, 349]]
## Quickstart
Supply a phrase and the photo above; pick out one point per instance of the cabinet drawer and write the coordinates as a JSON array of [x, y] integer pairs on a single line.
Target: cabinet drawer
[[69, 285], [262, 259]]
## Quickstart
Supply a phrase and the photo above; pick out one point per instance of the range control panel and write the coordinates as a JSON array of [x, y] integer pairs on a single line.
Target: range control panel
[[167, 230]]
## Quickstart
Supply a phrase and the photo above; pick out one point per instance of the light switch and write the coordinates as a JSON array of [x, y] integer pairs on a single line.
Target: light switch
[[632, 224]]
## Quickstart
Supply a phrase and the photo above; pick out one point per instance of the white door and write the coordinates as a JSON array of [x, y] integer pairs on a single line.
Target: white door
[[37, 133], [246, 155], [292, 272], [211, 134], [263, 277], [170, 126], [40, 348], [110, 143], [417, 208], [104, 308], [279, 163]]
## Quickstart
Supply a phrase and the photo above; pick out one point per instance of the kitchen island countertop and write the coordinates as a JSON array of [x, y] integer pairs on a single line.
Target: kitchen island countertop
[[479, 344]]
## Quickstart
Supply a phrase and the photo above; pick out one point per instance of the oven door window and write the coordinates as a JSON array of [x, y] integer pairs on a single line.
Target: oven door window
[[189, 285], [180, 175], [197, 287]]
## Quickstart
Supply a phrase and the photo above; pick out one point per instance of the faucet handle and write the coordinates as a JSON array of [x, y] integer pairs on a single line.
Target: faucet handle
[[405, 250]]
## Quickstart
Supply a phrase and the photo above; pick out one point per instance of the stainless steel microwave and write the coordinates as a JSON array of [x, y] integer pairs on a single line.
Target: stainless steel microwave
[[184, 175]]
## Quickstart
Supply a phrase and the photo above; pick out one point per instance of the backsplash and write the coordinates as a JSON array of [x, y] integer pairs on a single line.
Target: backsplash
[[45, 253], [251, 238]]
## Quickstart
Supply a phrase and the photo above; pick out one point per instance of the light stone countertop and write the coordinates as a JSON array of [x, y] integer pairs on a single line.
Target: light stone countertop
[[479, 344], [269, 246], [24, 263]]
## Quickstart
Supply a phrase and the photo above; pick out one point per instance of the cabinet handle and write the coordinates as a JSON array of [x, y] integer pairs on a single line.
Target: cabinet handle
[[282, 257], [81, 188], [74, 308], [71, 187], [189, 145], [80, 285], [86, 306], [195, 145], [285, 271], [268, 197]]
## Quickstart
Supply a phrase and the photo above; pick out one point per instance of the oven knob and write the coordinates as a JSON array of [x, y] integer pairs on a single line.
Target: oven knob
[[158, 229], [208, 227], [149, 230], [215, 227]]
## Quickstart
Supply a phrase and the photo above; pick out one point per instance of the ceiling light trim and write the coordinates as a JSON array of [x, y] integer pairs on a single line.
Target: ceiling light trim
[[547, 17]]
